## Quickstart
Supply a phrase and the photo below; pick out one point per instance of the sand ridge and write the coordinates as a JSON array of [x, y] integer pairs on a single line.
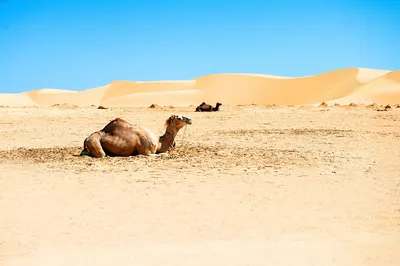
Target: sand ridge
[[359, 85]]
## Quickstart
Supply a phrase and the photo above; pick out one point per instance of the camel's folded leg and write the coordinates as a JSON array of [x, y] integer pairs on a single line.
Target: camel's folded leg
[[92, 146]]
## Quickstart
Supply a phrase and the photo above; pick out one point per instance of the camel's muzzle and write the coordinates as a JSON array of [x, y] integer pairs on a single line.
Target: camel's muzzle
[[187, 120]]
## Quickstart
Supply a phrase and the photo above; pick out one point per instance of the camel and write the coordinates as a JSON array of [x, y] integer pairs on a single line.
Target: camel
[[198, 107], [119, 138], [203, 107]]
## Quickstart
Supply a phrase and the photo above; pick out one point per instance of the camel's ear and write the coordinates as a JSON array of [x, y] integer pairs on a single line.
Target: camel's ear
[[168, 121]]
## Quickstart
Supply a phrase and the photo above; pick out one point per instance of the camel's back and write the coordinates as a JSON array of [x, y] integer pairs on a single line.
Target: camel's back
[[119, 133], [120, 127], [206, 107], [117, 127]]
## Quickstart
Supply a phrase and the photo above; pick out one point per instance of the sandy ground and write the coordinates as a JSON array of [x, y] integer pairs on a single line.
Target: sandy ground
[[249, 185]]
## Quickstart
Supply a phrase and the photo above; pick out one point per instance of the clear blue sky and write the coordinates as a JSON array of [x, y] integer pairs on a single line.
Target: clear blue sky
[[79, 44]]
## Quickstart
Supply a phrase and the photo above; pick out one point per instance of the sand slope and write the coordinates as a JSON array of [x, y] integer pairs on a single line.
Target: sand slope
[[9, 99], [87, 97], [124, 93], [345, 85], [384, 89]]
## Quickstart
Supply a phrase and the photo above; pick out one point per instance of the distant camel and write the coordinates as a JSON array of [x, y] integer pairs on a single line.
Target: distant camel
[[203, 107], [198, 107], [119, 138]]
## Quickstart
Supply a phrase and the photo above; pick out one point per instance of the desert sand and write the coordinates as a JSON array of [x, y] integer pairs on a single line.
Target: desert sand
[[358, 85], [270, 179]]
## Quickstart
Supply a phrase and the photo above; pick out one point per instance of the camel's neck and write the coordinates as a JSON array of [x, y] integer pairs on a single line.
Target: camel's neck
[[216, 108], [166, 141]]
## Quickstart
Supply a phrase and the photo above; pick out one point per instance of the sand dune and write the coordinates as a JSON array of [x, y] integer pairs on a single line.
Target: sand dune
[[384, 90], [246, 89], [129, 88], [175, 98], [51, 97], [8, 99], [358, 85]]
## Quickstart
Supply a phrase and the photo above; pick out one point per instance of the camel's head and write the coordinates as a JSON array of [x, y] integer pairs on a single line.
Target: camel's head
[[179, 121], [219, 104]]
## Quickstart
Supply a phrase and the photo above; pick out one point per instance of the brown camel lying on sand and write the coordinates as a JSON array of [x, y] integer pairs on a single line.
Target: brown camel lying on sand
[[119, 138], [203, 107]]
